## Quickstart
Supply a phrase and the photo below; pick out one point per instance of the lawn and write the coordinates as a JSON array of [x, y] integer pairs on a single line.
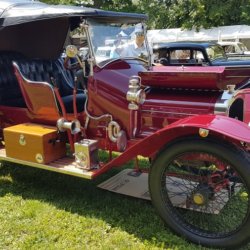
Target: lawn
[[46, 210]]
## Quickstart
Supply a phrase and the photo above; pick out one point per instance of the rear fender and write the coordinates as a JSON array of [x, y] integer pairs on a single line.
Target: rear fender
[[220, 127]]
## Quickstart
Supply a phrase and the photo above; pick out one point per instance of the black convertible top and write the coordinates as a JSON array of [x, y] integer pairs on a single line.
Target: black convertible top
[[39, 30], [14, 12], [184, 45]]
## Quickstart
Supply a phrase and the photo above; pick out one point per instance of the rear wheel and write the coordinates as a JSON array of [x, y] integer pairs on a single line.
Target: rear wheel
[[201, 190]]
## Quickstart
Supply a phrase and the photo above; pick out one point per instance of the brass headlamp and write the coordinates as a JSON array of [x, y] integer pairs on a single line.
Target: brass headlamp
[[135, 95]]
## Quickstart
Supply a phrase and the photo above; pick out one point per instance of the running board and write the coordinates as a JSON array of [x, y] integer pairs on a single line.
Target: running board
[[65, 165]]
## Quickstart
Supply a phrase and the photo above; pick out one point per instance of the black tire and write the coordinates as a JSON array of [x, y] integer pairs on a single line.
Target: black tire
[[174, 184]]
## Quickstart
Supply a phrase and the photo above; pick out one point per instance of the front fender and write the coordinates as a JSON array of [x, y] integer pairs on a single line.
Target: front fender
[[241, 96], [220, 127]]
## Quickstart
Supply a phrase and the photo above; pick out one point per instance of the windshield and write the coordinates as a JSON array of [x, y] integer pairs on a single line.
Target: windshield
[[113, 41], [242, 47], [216, 52]]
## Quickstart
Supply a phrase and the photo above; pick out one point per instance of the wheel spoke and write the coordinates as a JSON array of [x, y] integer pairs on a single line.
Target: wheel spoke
[[200, 188], [198, 195]]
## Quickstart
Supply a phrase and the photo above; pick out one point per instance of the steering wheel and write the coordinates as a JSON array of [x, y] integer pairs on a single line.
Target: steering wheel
[[71, 63], [163, 61], [74, 58]]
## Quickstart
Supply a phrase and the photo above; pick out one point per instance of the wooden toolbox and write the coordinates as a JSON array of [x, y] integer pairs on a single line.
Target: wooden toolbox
[[33, 142]]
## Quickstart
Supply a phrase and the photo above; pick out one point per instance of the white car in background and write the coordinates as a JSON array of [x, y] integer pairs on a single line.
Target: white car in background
[[234, 48], [103, 53]]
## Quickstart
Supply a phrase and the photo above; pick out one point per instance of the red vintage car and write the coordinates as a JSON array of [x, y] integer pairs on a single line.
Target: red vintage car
[[191, 122]]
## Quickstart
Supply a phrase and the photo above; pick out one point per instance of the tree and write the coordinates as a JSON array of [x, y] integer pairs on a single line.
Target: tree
[[186, 14], [202, 13]]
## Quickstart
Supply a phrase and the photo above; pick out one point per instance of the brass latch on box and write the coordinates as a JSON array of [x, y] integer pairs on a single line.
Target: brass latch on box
[[22, 140]]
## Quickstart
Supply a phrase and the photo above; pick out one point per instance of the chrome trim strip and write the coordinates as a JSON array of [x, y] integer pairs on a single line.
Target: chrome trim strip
[[235, 67], [237, 76], [147, 46], [221, 108], [222, 104], [165, 112], [85, 26]]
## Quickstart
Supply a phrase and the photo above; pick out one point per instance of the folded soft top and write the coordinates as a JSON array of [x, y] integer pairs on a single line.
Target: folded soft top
[[13, 12], [39, 30]]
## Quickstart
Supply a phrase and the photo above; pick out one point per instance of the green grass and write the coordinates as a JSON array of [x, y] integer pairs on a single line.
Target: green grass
[[46, 210]]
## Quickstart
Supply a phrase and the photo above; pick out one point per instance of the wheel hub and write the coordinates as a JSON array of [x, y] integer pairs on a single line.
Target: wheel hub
[[198, 199], [201, 195]]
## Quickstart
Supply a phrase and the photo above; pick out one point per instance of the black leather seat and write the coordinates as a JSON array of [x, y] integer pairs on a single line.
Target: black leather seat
[[10, 93], [36, 70]]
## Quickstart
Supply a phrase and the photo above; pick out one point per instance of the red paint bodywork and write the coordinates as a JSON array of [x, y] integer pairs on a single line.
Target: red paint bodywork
[[244, 95], [108, 88], [177, 104], [219, 126], [191, 77]]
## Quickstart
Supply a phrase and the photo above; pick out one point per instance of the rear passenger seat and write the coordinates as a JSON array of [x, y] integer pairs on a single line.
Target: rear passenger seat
[[35, 70], [10, 93]]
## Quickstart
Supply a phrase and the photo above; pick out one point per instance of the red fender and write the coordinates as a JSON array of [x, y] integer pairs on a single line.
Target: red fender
[[244, 95], [224, 127]]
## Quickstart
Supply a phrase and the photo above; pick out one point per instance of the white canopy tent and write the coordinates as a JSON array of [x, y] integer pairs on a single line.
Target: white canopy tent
[[236, 32]]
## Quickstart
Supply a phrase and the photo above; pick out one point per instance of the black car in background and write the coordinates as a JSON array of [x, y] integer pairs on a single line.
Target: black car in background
[[193, 53]]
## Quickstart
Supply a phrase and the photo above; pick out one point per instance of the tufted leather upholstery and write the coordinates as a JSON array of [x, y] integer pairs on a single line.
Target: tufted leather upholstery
[[35, 70], [10, 93], [43, 70]]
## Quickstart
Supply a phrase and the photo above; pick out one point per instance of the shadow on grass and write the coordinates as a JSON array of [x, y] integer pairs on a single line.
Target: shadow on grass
[[83, 197]]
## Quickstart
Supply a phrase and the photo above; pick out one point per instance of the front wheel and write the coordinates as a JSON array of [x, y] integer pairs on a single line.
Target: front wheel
[[201, 190]]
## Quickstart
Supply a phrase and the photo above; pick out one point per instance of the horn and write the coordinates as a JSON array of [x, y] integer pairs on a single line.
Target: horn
[[74, 126]]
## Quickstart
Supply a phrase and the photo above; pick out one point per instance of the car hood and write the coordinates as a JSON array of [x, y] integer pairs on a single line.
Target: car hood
[[195, 77]]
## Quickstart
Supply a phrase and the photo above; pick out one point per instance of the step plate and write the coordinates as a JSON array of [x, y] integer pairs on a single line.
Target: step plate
[[65, 165], [128, 183]]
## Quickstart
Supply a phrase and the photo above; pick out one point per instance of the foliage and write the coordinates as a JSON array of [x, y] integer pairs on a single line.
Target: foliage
[[177, 13], [202, 13]]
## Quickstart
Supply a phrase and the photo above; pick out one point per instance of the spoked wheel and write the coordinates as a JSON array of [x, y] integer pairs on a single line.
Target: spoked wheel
[[201, 190]]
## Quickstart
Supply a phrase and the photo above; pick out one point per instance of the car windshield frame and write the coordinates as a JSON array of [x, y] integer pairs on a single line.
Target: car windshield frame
[[216, 52], [242, 47], [115, 37]]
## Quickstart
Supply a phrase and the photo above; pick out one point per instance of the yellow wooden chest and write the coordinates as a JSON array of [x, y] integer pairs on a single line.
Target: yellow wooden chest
[[34, 142]]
